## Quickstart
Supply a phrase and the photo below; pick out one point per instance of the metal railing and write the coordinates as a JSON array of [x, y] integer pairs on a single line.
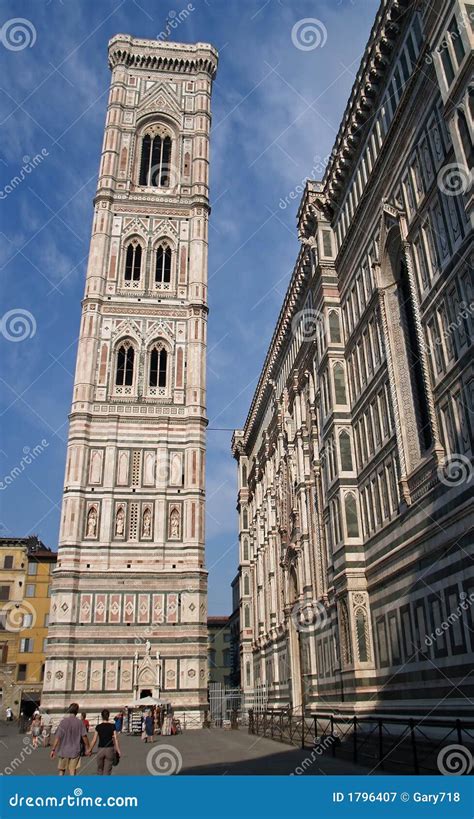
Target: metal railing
[[379, 742]]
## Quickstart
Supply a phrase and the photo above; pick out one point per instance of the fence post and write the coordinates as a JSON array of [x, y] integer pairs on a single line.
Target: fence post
[[271, 724], [315, 720], [459, 731], [281, 726], [333, 746], [413, 745], [354, 737], [302, 728], [381, 744]]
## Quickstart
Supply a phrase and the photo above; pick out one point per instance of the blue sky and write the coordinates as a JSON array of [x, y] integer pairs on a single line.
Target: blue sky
[[276, 112]]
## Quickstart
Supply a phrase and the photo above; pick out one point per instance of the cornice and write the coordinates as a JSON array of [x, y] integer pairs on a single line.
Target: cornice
[[365, 91], [162, 55]]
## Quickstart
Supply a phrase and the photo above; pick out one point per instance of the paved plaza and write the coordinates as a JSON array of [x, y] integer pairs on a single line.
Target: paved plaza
[[198, 752]]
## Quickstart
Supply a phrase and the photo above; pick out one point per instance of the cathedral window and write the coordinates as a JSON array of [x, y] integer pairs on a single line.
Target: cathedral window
[[163, 267], [339, 383], [345, 451], [155, 161], [334, 327], [350, 508], [133, 264], [124, 368], [158, 371]]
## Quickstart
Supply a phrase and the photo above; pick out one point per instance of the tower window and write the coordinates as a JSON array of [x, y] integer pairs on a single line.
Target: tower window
[[125, 360], [155, 161], [133, 262], [158, 367], [163, 265]]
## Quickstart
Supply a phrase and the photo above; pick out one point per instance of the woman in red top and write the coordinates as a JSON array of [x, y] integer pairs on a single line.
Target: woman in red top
[[85, 721]]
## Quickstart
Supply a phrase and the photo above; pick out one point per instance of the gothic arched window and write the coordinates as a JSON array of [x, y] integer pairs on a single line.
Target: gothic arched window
[[339, 383], [124, 369], [345, 451], [163, 265], [352, 523], [334, 327], [133, 262], [246, 584], [246, 549], [158, 367], [155, 161]]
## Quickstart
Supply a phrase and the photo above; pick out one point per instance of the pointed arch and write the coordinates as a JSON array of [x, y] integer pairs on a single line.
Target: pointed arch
[[156, 156], [124, 367], [158, 368], [133, 261]]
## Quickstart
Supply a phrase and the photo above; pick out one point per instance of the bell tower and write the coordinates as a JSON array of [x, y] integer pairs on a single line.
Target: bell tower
[[129, 597]]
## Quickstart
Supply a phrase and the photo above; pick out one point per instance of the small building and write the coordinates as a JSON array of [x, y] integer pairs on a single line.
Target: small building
[[219, 653], [25, 575]]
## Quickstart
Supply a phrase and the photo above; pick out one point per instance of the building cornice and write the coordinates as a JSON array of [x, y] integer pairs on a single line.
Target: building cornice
[[361, 104], [182, 58]]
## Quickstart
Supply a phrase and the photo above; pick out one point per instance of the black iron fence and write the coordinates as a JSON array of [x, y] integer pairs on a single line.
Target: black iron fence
[[410, 745]]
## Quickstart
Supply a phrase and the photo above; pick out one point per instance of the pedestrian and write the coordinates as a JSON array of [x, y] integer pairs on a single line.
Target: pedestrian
[[85, 721], [47, 727], [147, 727], [9, 714], [68, 739], [35, 729], [118, 720], [106, 736]]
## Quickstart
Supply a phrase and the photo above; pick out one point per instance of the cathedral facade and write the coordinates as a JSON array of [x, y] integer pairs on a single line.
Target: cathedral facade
[[355, 462], [129, 597]]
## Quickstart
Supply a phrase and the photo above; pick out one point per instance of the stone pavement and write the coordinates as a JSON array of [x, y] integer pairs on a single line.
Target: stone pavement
[[195, 752]]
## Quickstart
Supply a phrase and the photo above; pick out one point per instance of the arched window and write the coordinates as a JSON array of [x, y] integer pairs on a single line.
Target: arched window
[[246, 549], [244, 475], [155, 161], [245, 519], [163, 266], [246, 584], [352, 522], [158, 367], [465, 137], [339, 383], [345, 451], [361, 633], [246, 617], [125, 361], [133, 262], [334, 327]]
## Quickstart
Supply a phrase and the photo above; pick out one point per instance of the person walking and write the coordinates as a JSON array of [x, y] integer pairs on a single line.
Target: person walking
[[106, 736], [118, 720], [85, 721], [147, 727], [35, 729], [68, 739], [9, 713]]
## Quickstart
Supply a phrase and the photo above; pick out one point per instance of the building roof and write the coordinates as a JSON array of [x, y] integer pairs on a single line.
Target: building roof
[[218, 620], [35, 548]]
